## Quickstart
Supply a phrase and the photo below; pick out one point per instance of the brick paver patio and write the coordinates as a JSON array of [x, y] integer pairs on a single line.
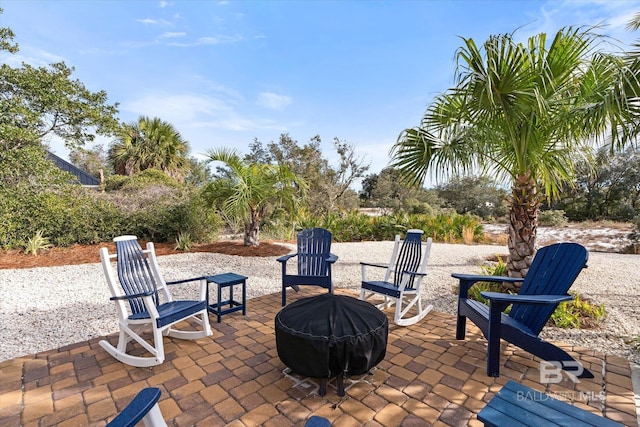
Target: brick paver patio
[[235, 378]]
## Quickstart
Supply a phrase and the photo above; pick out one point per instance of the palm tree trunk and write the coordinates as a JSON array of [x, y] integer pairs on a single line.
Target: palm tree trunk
[[523, 226], [252, 229]]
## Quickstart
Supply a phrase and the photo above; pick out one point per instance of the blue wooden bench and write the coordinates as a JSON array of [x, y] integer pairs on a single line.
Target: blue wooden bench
[[516, 405]]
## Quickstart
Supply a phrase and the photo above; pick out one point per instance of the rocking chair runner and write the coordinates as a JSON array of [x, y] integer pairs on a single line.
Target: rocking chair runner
[[140, 283], [552, 272], [314, 262], [403, 279]]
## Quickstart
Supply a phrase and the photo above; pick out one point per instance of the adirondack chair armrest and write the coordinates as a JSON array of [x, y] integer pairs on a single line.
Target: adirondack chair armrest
[[482, 278], [368, 264], [194, 279], [468, 280], [332, 258], [286, 258], [414, 273], [140, 295], [503, 298], [201, 279]]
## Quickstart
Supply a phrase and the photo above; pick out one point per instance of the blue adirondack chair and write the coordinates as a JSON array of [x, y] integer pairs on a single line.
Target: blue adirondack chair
[[150, 305], [552, 272], [314, 262], [143, 408]]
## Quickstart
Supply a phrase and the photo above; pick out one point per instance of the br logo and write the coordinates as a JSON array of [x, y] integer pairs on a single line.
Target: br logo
[[551, 372]]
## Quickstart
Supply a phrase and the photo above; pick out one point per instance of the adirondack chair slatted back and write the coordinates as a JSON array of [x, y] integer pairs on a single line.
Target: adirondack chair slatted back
[[553, 271], [314, 247], [409, 258], [134, 273]]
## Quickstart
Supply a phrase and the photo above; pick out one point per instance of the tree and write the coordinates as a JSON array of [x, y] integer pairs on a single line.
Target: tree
[[389, 190], [522, 112], [150, 144], [329, 187], [607, 189], [39, 102], [250, 189], [94, 161], [477, 195]]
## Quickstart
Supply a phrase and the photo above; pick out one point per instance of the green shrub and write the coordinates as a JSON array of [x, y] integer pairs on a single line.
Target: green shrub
[[578, 313], [354, 226], [499, 268], [140, 181], [552, 218], [183, 242], [37, 243]]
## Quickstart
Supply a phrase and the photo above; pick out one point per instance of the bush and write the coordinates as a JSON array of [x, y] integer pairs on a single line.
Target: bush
[[66, 217], [498, 268], [552, 218], [578, 313], [71, 214], [354, 226]]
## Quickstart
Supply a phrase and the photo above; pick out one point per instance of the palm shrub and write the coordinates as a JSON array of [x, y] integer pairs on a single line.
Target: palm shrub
[[37, 243], [523, 112]]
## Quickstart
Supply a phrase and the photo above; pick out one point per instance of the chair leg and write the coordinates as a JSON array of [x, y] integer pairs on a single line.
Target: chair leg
[[461, 327], [284, 295], [493, 336]]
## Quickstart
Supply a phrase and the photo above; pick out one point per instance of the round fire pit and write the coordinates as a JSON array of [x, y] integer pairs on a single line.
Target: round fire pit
[[330, 336]]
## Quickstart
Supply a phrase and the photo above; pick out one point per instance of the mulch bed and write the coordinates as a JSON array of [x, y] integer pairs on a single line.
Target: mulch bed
[[84, 254]]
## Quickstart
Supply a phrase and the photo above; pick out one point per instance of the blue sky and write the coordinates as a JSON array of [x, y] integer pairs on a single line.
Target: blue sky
[[226, 72]]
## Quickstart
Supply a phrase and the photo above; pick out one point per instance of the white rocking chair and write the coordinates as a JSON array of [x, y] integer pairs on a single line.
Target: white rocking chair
[[403, 279], [140, 283]]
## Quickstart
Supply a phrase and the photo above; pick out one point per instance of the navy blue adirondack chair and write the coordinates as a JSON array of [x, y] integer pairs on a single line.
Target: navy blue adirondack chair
[[314, 262], [150, 305], [552, 272], [144, 407]]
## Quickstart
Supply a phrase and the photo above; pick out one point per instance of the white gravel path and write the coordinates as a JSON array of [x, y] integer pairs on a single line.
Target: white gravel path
[[45, 308]]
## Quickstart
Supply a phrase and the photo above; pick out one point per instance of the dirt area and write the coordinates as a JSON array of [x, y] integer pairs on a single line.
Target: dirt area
[[84, 254]]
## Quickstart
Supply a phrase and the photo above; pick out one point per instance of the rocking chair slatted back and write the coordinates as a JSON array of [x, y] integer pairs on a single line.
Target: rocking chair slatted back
[[409, 259], [314, 246], [549, 276], [134, 273]]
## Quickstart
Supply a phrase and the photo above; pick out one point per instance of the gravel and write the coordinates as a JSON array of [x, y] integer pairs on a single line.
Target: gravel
[[46, 308]]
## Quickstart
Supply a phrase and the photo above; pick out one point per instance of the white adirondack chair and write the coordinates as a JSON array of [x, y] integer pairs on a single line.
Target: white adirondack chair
[[402, 280]]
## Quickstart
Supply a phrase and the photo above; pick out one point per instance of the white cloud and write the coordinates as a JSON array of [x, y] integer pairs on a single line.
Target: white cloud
[[197, 111], [273, 101], [33, 57], [171, 35], [150, 21], [219, 39]]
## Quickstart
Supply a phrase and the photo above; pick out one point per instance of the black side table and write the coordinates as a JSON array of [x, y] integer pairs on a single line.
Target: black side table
[[227, 280]]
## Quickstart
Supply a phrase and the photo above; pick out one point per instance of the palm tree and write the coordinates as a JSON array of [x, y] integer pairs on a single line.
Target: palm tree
[[150, 144], [250, 189], [524, 113]]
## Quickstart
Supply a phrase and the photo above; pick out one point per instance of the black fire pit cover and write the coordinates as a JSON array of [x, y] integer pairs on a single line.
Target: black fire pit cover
[[329, 335]]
